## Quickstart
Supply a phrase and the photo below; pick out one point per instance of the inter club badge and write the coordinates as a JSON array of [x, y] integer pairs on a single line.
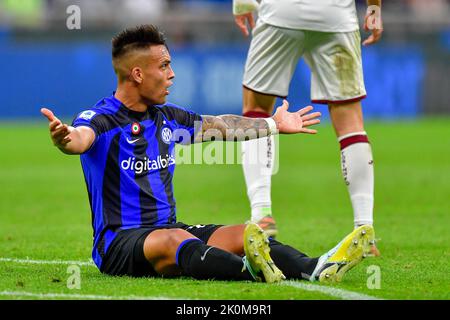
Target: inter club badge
[[136, 128], [166, 135]]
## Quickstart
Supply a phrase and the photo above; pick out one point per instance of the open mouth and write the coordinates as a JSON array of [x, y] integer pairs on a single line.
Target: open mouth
[[167, 89]]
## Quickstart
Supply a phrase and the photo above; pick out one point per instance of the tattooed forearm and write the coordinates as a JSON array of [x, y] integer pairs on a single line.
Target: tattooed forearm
[[232, 128]]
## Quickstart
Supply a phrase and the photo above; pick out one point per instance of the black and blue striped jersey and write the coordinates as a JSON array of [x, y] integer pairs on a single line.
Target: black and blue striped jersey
[[129, 168]]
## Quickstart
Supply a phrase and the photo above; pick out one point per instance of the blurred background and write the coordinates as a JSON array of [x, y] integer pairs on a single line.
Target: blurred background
[[43, 63]]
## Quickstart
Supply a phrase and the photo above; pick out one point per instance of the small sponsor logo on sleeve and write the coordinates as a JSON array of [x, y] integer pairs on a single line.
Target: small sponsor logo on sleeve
[[87, 115]]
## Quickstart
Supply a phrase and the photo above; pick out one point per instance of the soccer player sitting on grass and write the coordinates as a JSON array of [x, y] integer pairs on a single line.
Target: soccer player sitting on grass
[[126, 142]]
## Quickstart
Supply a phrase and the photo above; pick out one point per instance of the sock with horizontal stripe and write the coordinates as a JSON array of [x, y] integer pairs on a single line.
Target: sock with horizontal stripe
[[203, 262], [357, 169]]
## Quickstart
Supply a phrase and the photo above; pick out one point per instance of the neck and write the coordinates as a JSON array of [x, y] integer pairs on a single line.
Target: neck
[[130, 98]]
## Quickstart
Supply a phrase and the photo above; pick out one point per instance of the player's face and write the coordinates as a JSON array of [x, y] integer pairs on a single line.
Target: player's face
[[157, 75]]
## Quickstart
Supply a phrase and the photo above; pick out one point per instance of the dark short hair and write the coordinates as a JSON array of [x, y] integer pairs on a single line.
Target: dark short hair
[[136, 38]]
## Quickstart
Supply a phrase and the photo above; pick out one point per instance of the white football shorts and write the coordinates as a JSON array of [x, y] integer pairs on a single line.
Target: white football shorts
[[334, 59]]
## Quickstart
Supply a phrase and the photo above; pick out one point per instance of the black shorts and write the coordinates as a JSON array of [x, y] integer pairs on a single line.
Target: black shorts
[[125, 255]]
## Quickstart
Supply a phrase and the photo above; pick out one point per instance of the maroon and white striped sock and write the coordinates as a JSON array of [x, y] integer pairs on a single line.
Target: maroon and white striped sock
[[357, 169]]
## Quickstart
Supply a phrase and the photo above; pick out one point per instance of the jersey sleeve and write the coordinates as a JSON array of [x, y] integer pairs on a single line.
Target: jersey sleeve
[[187, 123], [89, 118]]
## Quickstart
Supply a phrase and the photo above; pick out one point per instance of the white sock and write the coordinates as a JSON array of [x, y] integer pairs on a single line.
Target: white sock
[[357, 169], [257, 162]]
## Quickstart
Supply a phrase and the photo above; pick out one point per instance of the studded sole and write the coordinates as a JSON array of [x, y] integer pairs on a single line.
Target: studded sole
[[355, 249], [257, 251]]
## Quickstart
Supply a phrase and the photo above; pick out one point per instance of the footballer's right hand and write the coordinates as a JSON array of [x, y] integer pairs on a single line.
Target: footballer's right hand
[[243, 14], [59, 132], [295, 122], [68, 139]]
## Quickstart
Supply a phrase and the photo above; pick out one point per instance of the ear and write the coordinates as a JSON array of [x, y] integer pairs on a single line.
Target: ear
[[137, 75]]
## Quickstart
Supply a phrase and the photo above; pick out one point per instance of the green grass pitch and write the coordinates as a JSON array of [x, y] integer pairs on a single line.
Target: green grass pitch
[[44, 215]]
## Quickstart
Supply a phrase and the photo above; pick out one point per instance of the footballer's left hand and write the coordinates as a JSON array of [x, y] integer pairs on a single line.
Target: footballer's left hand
[[241, 21], [373, 23], [243, 14], [295, 122]]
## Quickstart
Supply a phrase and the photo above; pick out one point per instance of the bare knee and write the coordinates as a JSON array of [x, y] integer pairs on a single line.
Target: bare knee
[[160, 248], [346, 117], [229, 238], [254, 101]]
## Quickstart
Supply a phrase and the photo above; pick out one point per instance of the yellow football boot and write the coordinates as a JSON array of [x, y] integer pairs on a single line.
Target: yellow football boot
[[333, 265], [257, 255]]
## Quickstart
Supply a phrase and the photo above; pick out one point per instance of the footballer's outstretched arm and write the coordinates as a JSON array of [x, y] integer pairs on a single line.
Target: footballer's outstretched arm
[[68, 139], [237, 128]]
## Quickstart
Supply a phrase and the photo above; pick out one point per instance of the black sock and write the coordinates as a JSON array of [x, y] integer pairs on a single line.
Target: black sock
[[201, 261], [293, 263]]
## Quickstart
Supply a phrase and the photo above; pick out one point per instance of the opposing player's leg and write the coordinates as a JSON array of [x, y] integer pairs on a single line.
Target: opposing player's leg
[[337, 80], [271, 62], [356, 160], [258, 161]]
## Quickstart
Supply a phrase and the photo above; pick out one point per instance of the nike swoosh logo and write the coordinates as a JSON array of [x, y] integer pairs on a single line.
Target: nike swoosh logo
[[204, 254], [132, 141]]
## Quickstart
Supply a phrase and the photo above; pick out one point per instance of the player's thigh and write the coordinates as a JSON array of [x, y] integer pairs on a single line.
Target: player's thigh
[[346, 117], [336, 66], [160, 248], [229, 238], [272, 58]]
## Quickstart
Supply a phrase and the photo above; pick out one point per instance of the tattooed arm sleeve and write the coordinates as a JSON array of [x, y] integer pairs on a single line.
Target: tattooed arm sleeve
[[232, 128]]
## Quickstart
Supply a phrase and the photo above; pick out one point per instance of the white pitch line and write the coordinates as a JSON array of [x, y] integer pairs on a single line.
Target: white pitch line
[[79, 296], [30, 261], [334, 292]]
